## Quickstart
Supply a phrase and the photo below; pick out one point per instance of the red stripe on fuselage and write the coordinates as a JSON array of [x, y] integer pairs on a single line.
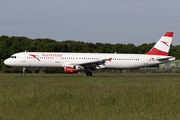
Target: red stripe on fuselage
[[155, 51], [34, 56]]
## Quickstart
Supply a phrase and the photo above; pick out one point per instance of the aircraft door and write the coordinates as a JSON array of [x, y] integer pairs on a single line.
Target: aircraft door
[[57, 59], [146, 60], [23, 57], [100, 57]]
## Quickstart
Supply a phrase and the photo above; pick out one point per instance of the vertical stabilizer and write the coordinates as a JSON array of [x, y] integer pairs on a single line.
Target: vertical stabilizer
[[163, 45]]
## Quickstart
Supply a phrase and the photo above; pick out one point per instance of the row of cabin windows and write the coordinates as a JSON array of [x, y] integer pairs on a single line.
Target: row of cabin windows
[[124, 59], [97, 58], [62, 58], [82, 58], [79, 58]]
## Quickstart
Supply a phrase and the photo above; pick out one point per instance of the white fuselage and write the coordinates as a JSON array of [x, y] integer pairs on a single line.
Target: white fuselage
[[59, 60]]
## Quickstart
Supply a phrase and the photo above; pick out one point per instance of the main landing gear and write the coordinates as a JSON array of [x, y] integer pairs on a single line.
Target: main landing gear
[[88, 73], [23, 74]]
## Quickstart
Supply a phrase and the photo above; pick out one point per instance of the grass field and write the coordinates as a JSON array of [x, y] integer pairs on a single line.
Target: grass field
[[106, 96]]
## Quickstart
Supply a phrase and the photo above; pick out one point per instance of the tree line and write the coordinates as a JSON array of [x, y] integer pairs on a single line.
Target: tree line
[[11, 45]]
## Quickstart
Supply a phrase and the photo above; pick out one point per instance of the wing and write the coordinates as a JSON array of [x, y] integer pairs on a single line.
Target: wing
[[96, 64]]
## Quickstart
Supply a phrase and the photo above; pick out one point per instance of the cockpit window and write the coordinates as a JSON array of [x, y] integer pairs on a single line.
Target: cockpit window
[[13, 57]]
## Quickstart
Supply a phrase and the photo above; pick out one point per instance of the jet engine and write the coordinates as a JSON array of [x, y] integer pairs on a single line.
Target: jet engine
[[70, 69]]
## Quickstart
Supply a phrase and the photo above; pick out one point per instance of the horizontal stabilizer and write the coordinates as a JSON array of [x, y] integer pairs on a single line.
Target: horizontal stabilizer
[[170, 58]]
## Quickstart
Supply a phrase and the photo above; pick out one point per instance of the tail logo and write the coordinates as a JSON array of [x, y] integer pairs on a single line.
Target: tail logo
[[165, 43], [34, 56]]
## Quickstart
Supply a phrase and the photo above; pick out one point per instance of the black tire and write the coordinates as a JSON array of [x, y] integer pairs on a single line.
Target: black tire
[[88, 73]]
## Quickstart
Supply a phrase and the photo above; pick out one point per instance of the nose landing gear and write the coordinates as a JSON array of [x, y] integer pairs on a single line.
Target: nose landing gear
[[23, 74]]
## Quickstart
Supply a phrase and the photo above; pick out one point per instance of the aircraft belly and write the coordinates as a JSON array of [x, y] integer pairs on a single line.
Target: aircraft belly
[[124, 65], [41, 64]]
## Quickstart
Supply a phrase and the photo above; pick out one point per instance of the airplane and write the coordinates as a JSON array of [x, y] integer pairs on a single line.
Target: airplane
[[74, 62]]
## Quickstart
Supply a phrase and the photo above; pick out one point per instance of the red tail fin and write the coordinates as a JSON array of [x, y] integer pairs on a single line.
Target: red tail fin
[[163, 45]]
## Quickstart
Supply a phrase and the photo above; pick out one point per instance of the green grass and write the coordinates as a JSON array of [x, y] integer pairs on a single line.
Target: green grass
[[106, 96]]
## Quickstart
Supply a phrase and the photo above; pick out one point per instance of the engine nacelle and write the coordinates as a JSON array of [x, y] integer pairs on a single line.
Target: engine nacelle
[[70, 69]]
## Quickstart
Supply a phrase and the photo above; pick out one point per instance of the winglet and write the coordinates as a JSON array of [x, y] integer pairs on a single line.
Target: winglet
[[109, 59], [162, 46]]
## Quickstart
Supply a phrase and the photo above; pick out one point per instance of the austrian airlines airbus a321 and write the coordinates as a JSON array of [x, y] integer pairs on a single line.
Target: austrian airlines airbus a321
[[74, 62]]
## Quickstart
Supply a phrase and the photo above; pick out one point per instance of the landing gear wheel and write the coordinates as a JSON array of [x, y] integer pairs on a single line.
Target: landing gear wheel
[[23, 74], [88, 73]]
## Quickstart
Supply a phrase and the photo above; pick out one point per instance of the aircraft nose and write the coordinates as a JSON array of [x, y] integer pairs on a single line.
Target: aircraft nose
[[6, 62]]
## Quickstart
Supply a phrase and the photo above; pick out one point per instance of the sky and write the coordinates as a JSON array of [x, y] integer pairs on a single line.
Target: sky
[[102, 21]]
